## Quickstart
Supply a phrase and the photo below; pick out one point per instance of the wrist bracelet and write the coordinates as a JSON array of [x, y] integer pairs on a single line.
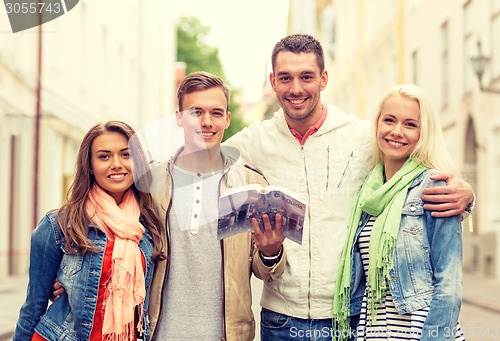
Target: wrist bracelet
[[272, 258], [469, 207]]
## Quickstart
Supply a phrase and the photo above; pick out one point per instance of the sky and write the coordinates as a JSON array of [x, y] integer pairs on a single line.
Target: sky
[[245, 33]]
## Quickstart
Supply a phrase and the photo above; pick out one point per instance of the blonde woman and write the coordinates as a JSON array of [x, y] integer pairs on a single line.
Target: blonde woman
[[401, 270]]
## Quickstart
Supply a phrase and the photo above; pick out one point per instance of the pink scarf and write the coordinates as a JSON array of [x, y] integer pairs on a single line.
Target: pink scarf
[[126, 287]]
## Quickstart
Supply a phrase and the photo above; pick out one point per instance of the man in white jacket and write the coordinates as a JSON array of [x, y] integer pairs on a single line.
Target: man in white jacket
[[323, 155]]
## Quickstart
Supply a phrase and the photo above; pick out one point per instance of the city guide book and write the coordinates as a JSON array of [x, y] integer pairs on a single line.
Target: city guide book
[[238, 206]]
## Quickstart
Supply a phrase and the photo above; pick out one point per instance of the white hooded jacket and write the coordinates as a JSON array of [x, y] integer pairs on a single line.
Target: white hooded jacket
[[326, 172]]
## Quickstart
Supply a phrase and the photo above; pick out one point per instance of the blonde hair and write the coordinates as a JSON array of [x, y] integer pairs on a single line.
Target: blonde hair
[[431, 150]]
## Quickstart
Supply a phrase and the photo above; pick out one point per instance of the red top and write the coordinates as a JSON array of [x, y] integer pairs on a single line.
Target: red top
[[96, 333], [312, 129]]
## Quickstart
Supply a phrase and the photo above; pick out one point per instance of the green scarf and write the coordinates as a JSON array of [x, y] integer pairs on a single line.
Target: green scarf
[[385, 201]]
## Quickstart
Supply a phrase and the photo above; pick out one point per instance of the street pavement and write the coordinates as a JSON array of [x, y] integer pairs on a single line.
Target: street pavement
[[12, 294], [479, 317], [480, 313]]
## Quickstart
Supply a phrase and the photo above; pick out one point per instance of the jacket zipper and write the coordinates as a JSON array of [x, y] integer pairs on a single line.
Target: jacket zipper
[[345, 169], [327, 167], [223, 293], [310, 256], [167, 237], [223, 283]]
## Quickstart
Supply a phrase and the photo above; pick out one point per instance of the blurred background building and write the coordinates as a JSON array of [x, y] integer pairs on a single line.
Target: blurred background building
[[373, 45], [102, 60]]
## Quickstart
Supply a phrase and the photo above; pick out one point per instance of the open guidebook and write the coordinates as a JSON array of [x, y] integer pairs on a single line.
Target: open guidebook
[[238, 206]]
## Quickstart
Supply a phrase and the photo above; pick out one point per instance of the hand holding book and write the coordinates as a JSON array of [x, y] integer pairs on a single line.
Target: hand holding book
[[240, 207], [268, 241]]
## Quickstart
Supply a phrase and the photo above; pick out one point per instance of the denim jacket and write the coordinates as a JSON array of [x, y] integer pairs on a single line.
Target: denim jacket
[[71, 316], [428, 264]]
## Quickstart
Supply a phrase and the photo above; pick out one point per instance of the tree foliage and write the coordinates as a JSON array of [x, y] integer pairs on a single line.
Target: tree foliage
[[198, 55]]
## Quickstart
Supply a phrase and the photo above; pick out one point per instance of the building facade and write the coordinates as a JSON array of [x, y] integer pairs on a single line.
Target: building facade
[[100, 61], [372, 45]]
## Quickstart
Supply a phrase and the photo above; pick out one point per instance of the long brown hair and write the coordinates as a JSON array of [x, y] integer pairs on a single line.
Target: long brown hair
[[72, 218]]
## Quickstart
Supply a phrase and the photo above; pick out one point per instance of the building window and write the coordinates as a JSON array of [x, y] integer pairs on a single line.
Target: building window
[[470, 162], [414, 67], [495, 170], [445, 65], [84, 65], [13, 223], [104, 74], [469, 47], [495, 39]]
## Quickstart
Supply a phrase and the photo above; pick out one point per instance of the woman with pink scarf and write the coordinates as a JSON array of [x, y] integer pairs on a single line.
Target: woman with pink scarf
[[100, 244]]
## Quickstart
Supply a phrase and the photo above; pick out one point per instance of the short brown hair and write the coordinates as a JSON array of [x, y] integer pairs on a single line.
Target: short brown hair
[[298, 43], [201, 80]]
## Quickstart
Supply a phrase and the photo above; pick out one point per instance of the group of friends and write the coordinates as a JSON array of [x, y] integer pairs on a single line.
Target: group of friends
[[133, 253]]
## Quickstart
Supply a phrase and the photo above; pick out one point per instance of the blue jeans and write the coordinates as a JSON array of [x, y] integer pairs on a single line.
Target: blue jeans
[[275, 326]]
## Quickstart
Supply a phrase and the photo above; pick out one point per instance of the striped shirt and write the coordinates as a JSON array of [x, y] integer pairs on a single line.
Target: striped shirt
[[389, 324]]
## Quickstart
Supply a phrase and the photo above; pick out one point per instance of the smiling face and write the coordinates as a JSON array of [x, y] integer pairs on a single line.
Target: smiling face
[[297, 82], [204, 119], [398, 130], [111, 164]]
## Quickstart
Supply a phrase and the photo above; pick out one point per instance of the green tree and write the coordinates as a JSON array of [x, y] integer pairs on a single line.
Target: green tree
[[198, 55]]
